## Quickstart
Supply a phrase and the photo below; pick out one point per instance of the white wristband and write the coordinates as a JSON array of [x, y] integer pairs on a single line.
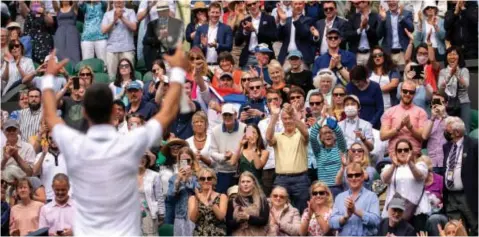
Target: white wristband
[[48, 82], [177, 75]]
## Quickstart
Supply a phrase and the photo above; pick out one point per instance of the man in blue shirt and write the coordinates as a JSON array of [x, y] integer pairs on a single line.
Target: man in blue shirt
[[137, 105], [355, 211], [337, 60]]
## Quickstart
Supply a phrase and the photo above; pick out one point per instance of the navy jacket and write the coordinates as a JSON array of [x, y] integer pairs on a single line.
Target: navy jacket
[[224, 37], [385, 30], [304, 39], [339, 23], [353, 36], [266, 34], [469, 171]]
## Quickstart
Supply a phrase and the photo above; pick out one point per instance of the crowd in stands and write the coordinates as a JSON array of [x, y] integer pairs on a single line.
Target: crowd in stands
[[303, 117]]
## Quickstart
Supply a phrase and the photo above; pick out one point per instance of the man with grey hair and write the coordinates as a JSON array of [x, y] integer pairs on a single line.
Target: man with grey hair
[[460, 179]]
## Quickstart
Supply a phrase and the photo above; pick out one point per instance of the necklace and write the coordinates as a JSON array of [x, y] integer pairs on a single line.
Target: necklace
[[198, 140]]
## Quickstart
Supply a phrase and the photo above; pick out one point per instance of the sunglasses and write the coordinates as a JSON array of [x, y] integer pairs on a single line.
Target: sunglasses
[[295, 97], [282, 197], [254, 87], [410, 92], [226, 78], [193, 58], [315, 103], [402, 150], [355, 175], [123, 66], [50, 138], [272, 99], [339, 94], [17, 46], [247, 79], [203, 179], [85, 74], [328, 9], [319, 193], [378, 55], [333, 38], [360, 150], [251, 4], [155, 70]]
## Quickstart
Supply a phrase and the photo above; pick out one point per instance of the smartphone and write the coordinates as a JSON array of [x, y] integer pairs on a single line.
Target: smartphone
[[59, 232], [436, 102], [419, 69], [183, 163], [76, 83], [246, 108], [157, 85]]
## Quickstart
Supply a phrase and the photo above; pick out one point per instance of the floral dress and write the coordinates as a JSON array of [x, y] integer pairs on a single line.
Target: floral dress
[[42, 40], [314, 229], [208, 224]]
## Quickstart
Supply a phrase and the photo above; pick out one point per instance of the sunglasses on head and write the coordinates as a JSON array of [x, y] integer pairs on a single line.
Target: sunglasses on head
[[402, 150], [203, 179], [295, 97], [247, 79], [272, 99], [378, 55], [195, 58], [278, 196], [329, 9], [85, 74], [410, 92], [354, 175], [319, 193], [334, 38], [123, 66], [360, 150], [311, 103], [339, 94], [255, 87]]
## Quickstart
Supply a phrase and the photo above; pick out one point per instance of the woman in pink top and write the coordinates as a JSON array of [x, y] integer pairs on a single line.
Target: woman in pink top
[[24, 216], [315, 220]]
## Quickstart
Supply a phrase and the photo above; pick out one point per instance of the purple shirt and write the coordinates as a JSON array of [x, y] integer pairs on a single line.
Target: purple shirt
[[435, 142], [57, 217]]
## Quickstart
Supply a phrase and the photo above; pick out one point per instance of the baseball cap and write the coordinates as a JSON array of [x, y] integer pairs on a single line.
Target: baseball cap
[[11, 124], [262, 48], [295, 53], [13, 24], [397, 203], [334, 30], [226, 74], [228, 109], [134, 85], [353, 97]]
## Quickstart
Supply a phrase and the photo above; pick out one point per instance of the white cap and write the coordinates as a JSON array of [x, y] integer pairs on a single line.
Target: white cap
[[228, 109], [48, 57]]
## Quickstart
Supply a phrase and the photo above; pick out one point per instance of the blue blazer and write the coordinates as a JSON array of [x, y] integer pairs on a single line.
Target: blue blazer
[[224, 37], [304, 39], [385, 30], [354, 38], [338, 23], [266, 34], [420, 36]]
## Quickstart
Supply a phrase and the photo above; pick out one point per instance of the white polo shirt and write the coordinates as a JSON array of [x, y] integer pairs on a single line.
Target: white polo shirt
[[49, 169], [102, 165]]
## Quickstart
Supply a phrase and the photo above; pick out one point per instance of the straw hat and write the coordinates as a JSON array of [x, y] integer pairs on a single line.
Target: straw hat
[[175, 141], [199, 6]]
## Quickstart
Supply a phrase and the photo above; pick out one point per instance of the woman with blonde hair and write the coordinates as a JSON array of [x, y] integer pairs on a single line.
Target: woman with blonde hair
[[180, 187], [337, 102], [248, 213], [277, 75], [284, 219], [200, 141], [453, 228], [315, 219], [358, 153], [86, 73], [207, 208]]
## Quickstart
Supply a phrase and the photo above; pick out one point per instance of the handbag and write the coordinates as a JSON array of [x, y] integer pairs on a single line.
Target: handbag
[[410, 207], [453, 107]]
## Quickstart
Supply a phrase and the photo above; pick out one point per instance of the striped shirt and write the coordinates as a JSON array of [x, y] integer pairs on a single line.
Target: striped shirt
[[29, 123], [328, 160]]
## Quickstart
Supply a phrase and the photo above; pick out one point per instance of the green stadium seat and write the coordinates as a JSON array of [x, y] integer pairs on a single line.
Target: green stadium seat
[[79, 26], [138, 75], [70, 68], [36, 65], [148, 77], [140, 66], [101, 77], [474, 122], [473, 134], [96, 64], [165, 230]]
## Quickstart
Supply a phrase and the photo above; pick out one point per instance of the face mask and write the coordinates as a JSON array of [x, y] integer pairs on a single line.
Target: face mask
[[448, 136], [422, 59], [350, 111], [34, 7]]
